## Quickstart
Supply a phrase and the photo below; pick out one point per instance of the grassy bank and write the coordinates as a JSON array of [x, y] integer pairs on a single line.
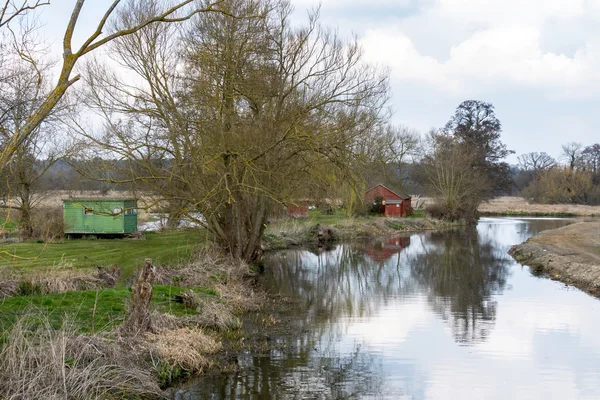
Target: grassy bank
[[70, 345], [338, 227], [171, 247]]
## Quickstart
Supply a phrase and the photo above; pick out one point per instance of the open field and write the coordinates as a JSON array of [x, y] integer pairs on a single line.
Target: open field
[[519, 206], [172, 247]]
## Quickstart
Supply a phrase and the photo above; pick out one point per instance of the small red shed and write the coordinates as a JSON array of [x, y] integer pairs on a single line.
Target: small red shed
[[393, 204], [298, 209]]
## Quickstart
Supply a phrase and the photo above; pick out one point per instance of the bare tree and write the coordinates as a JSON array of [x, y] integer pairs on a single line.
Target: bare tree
[[571, 154], [457, 187], [14, 9], [20, 94], [102, 35], [390, 149], [535, 162], [590, 157], [264, 114]]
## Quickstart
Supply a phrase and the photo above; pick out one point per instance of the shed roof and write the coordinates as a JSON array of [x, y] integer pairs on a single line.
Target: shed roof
[[395, 191]]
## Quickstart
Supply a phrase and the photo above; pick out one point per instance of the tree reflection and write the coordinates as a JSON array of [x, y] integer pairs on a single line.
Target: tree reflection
[[347, 280], [298, 374], [461, 273], [458, 272]]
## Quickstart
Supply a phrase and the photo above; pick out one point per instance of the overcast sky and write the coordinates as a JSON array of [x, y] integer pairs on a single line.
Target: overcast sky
[[537, 61]]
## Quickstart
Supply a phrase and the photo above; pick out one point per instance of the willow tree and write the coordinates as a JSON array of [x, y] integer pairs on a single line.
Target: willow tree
[[253, 113]]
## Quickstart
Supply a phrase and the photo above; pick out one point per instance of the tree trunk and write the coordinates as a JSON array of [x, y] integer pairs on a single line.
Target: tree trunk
[[26, 225]]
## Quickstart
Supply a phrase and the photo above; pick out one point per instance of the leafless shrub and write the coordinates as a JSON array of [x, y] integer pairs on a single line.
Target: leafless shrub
[[48, 224], [59, 364]]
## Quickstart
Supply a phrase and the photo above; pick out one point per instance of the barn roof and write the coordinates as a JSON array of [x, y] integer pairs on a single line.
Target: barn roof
[[391, 189]]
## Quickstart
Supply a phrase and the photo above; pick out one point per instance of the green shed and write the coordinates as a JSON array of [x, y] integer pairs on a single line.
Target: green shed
[[100, 216]]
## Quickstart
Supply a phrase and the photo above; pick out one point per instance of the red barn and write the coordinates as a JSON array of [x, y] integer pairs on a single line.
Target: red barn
[[381, 251], [393, 204], [299, 209]]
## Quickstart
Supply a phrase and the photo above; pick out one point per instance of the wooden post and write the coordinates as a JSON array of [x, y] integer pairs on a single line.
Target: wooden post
[[141, 290]]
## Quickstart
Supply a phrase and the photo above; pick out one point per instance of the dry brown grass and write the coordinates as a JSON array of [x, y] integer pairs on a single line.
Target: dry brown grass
[[60, 364], [59, 278], [518, 205], [184, 347]]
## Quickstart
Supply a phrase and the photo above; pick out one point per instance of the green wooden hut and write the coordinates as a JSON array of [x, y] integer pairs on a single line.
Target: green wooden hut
[[99, 216]]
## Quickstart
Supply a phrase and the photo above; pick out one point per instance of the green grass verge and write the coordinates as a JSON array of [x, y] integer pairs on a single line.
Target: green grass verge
[[79, 307], [172, 248], [317, 217], [9, 225]]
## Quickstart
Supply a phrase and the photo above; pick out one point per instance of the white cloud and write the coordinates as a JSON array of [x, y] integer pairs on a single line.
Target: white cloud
[[488, 59]]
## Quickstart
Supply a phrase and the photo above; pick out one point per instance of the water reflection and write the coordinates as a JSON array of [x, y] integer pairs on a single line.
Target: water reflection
[[461, 272], [432, 315]]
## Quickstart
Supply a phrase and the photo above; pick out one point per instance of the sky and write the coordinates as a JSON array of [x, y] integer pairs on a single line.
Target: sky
[[536, 61]]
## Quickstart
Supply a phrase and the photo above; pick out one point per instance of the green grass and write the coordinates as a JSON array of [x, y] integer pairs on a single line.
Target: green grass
[[317, 217], [171, 248], [417, 214], [8, 225], [79, 306]]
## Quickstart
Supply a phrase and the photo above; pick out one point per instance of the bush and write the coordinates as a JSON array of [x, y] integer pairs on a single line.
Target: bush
[[563, 186], [48, 224], [447, 212]]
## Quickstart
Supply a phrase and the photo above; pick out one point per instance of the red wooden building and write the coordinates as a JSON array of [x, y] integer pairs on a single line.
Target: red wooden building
[[381, 251], [393, 204], [299, 209]]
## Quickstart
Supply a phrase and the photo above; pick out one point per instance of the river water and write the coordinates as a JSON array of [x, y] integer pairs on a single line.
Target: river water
[[431, 315]]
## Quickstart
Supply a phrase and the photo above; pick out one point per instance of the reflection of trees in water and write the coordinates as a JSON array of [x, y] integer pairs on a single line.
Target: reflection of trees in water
[[461, 273], [298, 375], [457, 271], [344, 281]]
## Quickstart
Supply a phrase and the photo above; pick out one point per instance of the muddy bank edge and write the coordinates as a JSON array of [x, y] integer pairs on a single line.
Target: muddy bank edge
[[570, 254]]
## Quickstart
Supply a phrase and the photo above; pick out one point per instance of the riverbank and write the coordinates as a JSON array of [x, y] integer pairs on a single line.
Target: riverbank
[[517, 206], [93, 344], [318, 229], [570, 254]]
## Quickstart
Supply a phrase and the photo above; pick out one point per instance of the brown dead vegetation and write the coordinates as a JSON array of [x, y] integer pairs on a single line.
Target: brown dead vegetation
[[185, 347], [148, 351], [46, 363], [518, 205], [58, 279]]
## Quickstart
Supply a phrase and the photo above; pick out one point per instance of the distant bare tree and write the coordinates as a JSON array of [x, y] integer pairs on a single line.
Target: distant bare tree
[[24, 88], [457, 187], [389, 149], [571, 154], [535, 162], [591, 158]]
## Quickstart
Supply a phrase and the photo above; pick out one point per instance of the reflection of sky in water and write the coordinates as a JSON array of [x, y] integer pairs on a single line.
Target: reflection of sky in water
[[440, 316]]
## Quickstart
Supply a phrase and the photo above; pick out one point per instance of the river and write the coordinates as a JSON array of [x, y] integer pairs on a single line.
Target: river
[[435, 315]]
